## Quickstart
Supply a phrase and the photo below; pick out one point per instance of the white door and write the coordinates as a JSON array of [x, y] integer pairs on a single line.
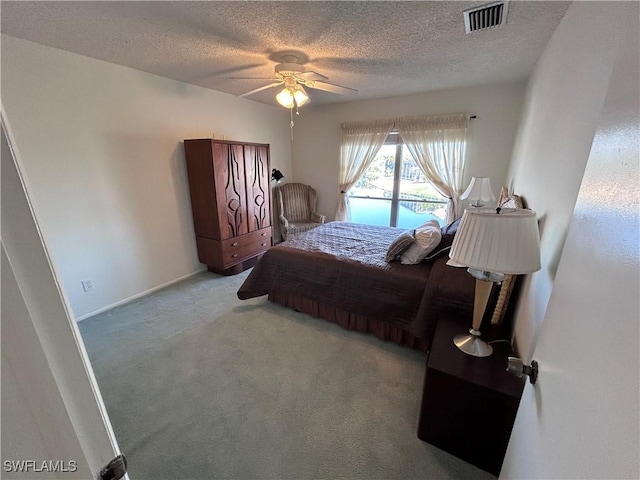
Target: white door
[[54, 424], [581, 419]]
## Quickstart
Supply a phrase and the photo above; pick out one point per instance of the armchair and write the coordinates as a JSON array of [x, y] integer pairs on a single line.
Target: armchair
[[297, 208]]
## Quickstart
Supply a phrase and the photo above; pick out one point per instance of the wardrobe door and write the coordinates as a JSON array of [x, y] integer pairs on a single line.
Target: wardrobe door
[[230, 188], [256, 158], [204, 198]]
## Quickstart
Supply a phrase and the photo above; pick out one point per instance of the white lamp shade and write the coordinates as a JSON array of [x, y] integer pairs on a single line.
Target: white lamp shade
[[507, 242], [479, 189], [285, 98], [300, 96], [289, 97]]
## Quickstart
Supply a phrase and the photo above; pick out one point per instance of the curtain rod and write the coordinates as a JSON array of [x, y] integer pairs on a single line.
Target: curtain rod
[[393, 120]]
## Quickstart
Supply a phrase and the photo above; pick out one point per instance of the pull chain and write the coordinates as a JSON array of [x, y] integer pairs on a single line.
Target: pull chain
[[291, 124]]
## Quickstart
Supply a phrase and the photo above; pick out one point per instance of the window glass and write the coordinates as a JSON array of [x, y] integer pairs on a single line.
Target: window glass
[[370, 211], [377, 181], [394, 191]]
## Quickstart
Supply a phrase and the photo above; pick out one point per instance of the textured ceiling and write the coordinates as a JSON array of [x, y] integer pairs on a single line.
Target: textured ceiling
[[379, 48]]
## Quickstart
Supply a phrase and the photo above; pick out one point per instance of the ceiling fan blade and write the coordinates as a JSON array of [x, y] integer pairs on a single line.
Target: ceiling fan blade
[[311, 75], [332, 87], [271, 85]]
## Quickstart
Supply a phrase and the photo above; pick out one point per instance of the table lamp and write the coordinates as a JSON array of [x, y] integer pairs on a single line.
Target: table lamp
[[493, 242], [277, 175], [479, 190]]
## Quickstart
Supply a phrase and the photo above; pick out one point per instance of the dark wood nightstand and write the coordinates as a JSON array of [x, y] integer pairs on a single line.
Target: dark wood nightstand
[[469, 404]]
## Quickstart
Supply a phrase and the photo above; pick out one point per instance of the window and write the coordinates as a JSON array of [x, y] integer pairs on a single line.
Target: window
[[393, 191], [438, 145]]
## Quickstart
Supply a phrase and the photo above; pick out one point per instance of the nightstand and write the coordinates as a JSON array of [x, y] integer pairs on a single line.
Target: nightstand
[[469, 403]]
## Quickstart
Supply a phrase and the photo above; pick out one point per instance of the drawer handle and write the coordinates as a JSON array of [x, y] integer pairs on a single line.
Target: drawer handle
[[234, 255], [263, 234], [234, 244], [264, 244]]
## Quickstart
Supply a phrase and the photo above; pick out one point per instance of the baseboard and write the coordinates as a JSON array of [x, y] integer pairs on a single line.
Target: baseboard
[[138, 295]]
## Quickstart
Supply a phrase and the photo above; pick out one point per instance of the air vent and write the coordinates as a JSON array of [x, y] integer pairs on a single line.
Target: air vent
[[486, 16]]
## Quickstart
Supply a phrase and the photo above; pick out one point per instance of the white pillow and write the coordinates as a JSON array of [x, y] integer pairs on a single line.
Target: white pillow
[[428, 236]]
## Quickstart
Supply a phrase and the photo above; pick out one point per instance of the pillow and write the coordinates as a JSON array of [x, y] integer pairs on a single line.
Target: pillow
[[399, 245], [448, 232], [428, 237], [436, 253]]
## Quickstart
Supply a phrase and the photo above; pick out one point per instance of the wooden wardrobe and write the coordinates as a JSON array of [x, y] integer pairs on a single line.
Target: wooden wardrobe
[[229, 183]]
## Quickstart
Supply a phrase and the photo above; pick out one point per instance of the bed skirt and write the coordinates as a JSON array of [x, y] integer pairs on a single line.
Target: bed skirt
[[350, 321]]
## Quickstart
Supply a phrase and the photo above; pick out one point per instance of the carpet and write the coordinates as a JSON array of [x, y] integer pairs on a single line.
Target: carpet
[[201, 385]]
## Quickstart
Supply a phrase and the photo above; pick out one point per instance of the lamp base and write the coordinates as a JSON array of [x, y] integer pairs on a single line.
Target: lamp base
[[472, 344]]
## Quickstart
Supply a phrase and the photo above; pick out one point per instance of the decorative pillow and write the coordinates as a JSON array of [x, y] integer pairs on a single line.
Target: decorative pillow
[[447, 232], [399, 245], [436, 253], [428, 237]]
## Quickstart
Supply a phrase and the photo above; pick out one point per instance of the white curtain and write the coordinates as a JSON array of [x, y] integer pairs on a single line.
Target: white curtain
[[359, 145], [438, 146]]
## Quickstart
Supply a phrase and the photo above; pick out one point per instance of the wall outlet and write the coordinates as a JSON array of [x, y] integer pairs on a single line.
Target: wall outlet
[[87, 285]]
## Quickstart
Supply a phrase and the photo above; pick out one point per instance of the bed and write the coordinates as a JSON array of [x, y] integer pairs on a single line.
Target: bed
[[338, 272]]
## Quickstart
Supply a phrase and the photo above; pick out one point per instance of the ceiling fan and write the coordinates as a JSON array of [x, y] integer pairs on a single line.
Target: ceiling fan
[[294, 76]]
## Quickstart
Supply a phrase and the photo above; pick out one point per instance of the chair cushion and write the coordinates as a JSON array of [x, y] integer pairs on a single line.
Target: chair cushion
[[299, 227]]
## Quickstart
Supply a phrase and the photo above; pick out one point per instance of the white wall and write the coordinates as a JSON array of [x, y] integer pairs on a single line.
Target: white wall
[[562, 103], [316, 145], [103, 156], [580, 420]]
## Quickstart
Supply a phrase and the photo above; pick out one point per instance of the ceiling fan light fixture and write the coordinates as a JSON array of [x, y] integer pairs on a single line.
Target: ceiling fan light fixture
[[300, 96], [285, 98], [290, 96]]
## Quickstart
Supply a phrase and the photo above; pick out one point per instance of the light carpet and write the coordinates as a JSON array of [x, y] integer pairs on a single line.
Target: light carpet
[[201, 385]]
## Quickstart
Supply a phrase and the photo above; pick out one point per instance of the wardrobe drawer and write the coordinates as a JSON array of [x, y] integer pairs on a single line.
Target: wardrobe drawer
[[239, 248]]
